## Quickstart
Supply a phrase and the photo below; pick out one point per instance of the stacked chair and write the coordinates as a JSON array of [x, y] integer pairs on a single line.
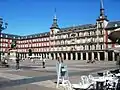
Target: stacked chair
[[86, 83], [111, 82]]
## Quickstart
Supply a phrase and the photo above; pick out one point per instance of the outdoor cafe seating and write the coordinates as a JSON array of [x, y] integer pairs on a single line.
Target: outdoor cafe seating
[[108, 80]]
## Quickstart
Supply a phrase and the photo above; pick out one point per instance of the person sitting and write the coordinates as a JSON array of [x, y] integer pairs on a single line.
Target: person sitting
[[93, 61], [88, 61]]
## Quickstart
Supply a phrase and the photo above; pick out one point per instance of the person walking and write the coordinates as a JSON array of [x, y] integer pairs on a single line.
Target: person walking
[[43, 62], [17, 61]]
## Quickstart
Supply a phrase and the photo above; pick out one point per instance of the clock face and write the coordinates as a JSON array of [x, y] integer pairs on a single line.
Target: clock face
[[100, 17]]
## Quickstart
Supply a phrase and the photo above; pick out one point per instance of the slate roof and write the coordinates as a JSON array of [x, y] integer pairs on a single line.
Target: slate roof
[[37, 35], [11, 36], [110, 25], [79, 27], [114, 36], [113, 24]]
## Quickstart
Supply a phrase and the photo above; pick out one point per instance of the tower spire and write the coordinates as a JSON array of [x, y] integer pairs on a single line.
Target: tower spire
[[101, 4], [101, 8], [54, 25], [102, 14], [55, 17]]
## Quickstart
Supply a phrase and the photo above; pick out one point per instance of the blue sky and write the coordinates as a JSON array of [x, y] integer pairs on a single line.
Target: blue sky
[[26, 17]]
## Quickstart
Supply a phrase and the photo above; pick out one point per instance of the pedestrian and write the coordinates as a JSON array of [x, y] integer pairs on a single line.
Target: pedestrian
[[58, 59], [88, 61], [17, 61], [61, 58], [93, 61], [43, 62]]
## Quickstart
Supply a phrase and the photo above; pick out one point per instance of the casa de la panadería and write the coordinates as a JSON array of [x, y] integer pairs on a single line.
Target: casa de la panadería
[[82, 42]]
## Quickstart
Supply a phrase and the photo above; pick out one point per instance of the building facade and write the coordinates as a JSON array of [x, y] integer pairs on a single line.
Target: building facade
[[82, 42]]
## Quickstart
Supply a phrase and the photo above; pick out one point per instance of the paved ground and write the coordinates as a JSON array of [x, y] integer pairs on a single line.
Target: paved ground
[[32, 76]]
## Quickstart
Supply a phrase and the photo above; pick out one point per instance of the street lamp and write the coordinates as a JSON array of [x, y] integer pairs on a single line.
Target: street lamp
[[2, 27]]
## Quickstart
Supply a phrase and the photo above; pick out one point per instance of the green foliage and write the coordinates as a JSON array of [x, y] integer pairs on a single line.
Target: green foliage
[[13, 45], [30, 52]]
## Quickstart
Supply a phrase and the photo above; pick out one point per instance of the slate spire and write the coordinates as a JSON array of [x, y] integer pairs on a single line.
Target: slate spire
[[54, 25], [102, 13]]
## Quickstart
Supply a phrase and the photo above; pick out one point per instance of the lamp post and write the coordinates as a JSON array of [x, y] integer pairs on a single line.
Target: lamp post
[[3, 26]]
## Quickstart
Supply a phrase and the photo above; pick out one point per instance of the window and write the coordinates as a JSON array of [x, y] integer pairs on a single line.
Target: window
[[1, 35], [6, 36], [101, 47]]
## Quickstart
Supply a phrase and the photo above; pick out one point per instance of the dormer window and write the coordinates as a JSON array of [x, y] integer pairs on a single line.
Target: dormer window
[[1, 35], [6, 36], [116, 25]]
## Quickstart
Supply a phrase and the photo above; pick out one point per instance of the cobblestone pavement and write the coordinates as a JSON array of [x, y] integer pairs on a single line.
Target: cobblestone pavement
[[32, 76]]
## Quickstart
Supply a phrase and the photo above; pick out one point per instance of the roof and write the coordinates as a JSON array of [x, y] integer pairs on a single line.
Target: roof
[[113, 24], [114, 36], [11, 36], [80, 27]]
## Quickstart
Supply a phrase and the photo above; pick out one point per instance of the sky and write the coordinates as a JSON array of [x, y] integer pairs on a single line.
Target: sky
[[25, 17]]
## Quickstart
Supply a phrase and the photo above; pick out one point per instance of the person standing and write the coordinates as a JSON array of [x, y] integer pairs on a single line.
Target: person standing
[[61, 59]]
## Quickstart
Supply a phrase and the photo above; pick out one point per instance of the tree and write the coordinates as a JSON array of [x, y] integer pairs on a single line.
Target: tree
[[13, 45]]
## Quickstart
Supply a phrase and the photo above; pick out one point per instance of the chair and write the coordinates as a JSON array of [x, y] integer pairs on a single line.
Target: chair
[[91, 79], [86, 84], [77, 86], [84, 79], [68, 85], [83, 84]]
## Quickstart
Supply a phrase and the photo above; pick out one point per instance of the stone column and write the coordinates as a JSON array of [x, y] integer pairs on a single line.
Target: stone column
[[93, 56], [62, 56], [106, 56], [49, 56], [81, 56], [71, 56], [25, 55], [98, 56], [113, 55], [58, 55], [46, 55], [76, 55], [86, 55], [66, 56], [22, 55], [54, 56]]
